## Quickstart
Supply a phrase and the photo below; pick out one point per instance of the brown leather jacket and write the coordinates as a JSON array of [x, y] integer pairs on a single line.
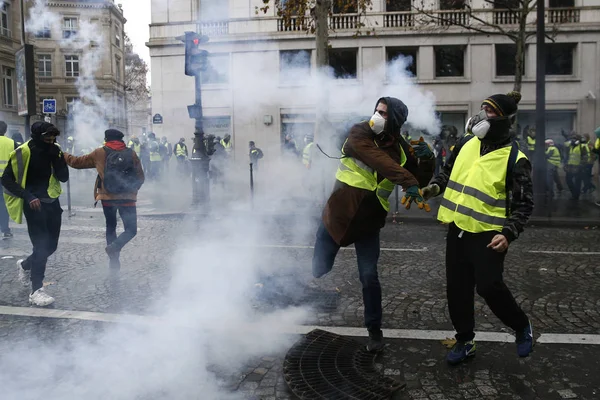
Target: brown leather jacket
[[97, 159], [352, 213]]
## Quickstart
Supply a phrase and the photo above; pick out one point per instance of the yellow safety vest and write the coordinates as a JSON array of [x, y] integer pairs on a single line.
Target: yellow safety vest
[[475, 198], [179, 150], [597, 144], [306, 155], [530, 143], [227, 146], [154, 155], [575, 155], [554, 156], [7, 146], [19, 161], [357, 174], [136, 147]]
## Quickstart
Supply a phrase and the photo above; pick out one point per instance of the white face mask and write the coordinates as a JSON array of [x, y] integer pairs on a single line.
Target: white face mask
[[377, 123], [478, 125]]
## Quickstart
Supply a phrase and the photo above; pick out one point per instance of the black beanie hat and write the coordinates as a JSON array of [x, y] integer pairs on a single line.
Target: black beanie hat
[[504, 104], [113, 134], [42, 128]]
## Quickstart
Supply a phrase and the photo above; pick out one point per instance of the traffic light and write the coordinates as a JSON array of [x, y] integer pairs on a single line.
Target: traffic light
[[196, 59]]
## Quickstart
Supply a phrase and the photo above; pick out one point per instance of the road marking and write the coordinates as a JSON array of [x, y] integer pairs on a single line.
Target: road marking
[[582, 253], [498, 337], [285, 246]]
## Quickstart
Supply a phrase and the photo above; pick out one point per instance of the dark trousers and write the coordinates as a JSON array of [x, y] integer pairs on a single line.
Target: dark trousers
[[471, 264], [552, 178], [574, 180], [586, 177], [129, 216], [3, 214], [44, 230], [367, 255]]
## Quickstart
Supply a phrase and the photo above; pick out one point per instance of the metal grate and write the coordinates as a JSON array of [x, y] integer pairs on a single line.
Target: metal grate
[[288, 291], [326, 366]]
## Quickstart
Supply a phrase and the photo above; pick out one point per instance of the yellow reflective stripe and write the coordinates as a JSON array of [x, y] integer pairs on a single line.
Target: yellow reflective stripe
[[468, 212], [479, 195]]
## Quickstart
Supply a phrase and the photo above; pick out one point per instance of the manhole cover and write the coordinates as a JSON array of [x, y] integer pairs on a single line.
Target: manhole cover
[[323, 365]]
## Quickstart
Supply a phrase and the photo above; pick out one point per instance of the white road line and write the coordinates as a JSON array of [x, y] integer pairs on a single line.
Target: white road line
[[581, 253], [499, 337], [285, 246]]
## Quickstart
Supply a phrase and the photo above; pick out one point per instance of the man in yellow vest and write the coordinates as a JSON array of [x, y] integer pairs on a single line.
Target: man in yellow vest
[[577, 156], [530, 142], [155, 159], [587, 167], [376, 158], [134, 144], [596, 151], [181, 154], [7, 146], [553, 159], [308, 152], [488, 199], [31, 187], [227, 144]]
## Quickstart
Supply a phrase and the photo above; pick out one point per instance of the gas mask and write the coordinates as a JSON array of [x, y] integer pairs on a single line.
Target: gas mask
[[480, 124], [377, 123]]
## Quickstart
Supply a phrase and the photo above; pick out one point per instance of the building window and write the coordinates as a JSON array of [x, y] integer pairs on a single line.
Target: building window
[[118, 70], [44, 33], [398, 5], [71, 103], [5, 20], [559, 58], [401, 57], [294, 65], [72, 66], [452, 4], [556, 122], [562, 3], [45, 65], [449, 61], [343, 63], [505, 60], [7, 83], [217, 71], [120, 111], [345, 7], [69, 27], [118, 37], [506, 4]]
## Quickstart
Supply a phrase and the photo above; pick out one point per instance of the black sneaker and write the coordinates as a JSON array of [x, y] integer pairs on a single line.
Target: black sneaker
[[375, 344], [7, 235]]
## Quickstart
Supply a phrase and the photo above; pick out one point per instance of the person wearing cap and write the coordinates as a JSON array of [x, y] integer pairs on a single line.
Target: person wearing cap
[[488, 199], [376, 158], [31, 183], [553, 159], [123, 202]]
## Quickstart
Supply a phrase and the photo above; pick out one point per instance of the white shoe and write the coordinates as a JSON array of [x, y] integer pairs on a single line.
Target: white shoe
[[24, 275], [40, 298]]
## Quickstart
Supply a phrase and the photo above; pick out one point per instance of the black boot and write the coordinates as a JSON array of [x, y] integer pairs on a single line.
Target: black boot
[[375, 344]]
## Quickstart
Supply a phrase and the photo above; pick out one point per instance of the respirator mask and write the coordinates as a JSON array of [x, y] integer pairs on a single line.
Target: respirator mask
[[480, 124], [377, 123]]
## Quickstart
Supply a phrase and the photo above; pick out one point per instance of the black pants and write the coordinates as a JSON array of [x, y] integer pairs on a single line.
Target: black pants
[[574, 180], [367, 255], [44, 230], [586, 177], [552, 178], [129, 216], [4, 218], [469, 264]]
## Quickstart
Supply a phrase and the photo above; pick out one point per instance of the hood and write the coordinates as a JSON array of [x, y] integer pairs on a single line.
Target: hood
[[397, 115]]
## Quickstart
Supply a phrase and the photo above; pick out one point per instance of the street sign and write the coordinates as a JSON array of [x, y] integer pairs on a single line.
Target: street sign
[[49, 106], [157, 119]]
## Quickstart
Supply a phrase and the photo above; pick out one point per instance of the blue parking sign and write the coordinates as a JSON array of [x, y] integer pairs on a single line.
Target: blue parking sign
[[49, 106]]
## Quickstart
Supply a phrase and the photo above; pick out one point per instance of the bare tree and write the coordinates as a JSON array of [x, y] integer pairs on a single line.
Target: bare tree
[[135, 84], [312, 16], [514, 19]]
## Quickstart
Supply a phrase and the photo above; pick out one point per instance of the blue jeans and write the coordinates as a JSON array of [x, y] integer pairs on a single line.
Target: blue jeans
[[367, 255]]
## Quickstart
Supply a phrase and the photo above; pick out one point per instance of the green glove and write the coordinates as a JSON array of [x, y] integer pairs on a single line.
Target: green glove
[[422, 150], [413, 194]]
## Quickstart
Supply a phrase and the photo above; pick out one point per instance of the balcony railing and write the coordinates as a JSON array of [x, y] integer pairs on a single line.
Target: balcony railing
[[452, 17], [344, 21], [214, 28], [399, 19], [563, 15], [294, 24]]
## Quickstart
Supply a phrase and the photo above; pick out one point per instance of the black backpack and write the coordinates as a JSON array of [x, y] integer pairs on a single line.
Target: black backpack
[[119, 172]]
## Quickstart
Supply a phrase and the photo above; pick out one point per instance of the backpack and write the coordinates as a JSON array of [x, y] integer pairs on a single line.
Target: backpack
[[119, 172]]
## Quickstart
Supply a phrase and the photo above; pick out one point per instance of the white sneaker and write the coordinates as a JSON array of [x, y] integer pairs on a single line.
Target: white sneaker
[[24, 275], [40, 298]]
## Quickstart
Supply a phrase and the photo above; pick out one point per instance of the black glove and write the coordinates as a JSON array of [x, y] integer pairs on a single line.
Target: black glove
[[54, 151]]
